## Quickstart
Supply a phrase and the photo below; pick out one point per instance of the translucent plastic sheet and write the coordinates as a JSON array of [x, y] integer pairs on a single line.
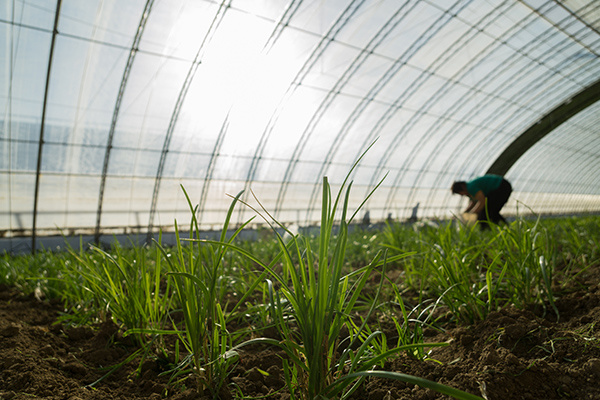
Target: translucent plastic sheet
[[127, 100]]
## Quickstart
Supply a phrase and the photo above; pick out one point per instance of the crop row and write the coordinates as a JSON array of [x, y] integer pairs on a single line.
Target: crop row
[[202, 301]]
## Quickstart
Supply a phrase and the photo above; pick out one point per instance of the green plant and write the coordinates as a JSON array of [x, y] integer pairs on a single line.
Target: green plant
[[312, 308], [312, 300], [34, 273], [528, 248], [126, 285], [473, 273], [410, 324], [578, 246], [197, 269]]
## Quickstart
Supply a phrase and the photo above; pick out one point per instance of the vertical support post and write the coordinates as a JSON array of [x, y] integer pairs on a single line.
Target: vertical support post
[[42, 127]]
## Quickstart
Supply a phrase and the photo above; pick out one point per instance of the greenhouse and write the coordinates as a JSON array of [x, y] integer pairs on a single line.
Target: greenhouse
[[109, 107], [247, 199]]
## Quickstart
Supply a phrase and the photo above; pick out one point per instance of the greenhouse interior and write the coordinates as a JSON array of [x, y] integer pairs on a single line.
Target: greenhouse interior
[[110, 109], [300, 199]]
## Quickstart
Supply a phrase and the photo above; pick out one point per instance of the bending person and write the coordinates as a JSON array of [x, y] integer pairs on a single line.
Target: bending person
[[488, 194]]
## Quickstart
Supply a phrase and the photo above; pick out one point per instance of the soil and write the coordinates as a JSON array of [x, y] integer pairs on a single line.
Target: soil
[[513, 354]]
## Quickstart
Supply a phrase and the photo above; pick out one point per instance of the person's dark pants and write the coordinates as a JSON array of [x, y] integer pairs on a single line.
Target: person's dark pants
[[495, 200]]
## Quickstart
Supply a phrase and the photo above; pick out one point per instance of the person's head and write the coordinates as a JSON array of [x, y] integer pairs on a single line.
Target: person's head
[[459, 187]]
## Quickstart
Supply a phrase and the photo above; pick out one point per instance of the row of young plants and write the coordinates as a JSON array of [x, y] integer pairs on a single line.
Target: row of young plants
[[217, 296], [472, 272]]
